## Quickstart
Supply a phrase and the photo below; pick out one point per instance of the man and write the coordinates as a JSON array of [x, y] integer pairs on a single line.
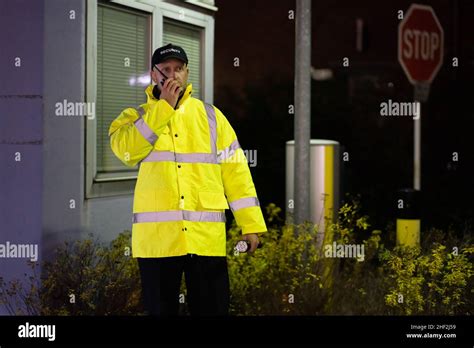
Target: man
[[191, 170]]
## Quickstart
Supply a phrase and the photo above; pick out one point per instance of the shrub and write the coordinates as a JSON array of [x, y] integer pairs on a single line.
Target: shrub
[[430, 280], [434, 283], [290, 275], [85, 278]]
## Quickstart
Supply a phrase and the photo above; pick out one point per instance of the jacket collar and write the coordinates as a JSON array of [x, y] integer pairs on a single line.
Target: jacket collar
[[151, 99]]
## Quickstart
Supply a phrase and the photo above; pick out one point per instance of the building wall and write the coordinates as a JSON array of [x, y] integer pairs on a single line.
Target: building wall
[[63, 145], [21, 134]]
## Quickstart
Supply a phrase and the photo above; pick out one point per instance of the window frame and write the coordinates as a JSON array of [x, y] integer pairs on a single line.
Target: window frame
[[113, 184]]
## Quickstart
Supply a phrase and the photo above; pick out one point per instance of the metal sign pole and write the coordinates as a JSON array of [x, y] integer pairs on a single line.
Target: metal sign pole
[[422, 91], [417, 151], [302, 110]]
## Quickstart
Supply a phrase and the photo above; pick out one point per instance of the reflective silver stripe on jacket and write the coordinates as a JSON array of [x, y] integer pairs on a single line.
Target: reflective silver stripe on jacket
[[169, 156], [143, 128], [211, 119], [196, 157], [244, 203], [179, 215], [228, 151]]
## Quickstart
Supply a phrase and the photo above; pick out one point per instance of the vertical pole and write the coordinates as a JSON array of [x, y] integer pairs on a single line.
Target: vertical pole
[[417, 151], [302, 110], [421, 92]]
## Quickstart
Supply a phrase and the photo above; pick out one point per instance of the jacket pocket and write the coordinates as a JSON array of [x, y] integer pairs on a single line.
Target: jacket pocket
[[212, 200]]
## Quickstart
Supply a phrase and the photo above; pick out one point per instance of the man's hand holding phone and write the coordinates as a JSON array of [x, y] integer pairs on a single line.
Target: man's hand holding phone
[[170, 91]]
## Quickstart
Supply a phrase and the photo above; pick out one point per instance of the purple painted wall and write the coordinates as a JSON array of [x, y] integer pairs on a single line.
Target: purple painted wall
[[21, 130]]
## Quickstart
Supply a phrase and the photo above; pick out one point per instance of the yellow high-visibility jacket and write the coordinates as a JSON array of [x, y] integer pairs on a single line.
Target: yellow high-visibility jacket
[[192, 168]]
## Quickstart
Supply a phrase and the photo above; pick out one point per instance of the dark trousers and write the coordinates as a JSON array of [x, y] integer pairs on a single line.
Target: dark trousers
[[207, 284]]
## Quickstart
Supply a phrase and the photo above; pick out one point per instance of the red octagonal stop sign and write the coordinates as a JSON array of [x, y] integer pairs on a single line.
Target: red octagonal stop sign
[[420, 44]]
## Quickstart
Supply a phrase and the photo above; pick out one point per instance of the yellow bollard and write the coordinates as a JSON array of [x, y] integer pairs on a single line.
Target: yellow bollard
[[408, 232], [408, 217]]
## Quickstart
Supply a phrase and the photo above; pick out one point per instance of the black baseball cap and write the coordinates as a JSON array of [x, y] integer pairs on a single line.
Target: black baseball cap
[[169, 51]]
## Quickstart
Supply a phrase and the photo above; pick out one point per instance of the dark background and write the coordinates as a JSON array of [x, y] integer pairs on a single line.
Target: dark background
[[255, 98]]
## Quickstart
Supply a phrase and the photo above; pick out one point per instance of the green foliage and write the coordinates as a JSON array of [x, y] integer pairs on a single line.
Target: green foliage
[[434, 283], [85, 278], [431, 280], [289, 275], [264, 282], [20, 297]]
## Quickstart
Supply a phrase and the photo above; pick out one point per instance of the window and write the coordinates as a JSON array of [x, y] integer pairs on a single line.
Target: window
[[189, 38], [123, 56], [121, 36]]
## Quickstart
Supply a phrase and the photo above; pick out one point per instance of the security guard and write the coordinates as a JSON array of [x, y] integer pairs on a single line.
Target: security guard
[[192, 168]]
